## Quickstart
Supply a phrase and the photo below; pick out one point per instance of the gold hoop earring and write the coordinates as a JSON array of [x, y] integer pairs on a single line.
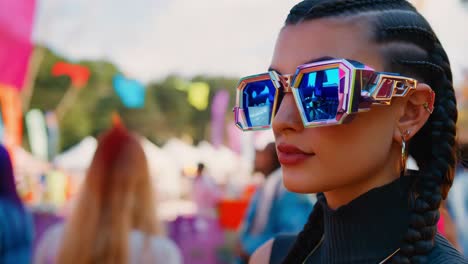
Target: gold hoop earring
[[404, 150]]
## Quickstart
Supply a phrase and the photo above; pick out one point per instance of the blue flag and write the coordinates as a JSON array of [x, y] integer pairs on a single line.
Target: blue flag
[[131, 92]]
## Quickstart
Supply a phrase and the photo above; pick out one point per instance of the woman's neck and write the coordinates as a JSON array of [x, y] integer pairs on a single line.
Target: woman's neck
[[367, 229], [387, 173]]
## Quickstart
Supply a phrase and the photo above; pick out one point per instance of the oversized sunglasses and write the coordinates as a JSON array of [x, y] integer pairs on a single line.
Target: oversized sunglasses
[[328, 92]]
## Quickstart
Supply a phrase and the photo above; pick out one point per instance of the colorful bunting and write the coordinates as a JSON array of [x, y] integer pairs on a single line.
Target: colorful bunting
[[198, 93], [16, 23], [131, 92], [78, 74]]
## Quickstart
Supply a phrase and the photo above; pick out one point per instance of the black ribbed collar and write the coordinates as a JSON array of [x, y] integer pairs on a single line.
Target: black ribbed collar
[[369, 228]]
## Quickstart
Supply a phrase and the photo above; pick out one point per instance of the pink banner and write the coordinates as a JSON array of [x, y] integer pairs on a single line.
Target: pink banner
[[16, 24], [234, 135], [218, 114]]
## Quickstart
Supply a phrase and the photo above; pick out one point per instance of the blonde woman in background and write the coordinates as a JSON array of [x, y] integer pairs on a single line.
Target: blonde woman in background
[[114, 220]]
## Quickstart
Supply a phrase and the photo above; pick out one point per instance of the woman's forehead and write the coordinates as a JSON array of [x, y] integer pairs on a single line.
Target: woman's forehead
[[311, 40]]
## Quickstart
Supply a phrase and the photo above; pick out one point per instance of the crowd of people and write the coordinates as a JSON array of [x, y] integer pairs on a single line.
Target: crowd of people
[[114, 218]]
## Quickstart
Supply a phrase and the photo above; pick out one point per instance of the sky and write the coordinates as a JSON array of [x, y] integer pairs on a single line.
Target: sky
[[149, 39]]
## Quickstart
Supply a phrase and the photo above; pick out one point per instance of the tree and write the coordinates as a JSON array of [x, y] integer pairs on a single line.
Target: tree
[[166, 113]]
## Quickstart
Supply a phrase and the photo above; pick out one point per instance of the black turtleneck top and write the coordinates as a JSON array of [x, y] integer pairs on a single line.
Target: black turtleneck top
[[367, 230]]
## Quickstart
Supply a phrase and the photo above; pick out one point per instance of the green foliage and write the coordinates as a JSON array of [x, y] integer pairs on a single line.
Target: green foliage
[[166, 113]]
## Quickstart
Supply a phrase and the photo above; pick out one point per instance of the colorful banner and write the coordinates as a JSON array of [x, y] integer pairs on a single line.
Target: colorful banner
[[198, 93], [131, 92], [10, 102], [234, 137], [78, 74], [218, 117], [37, 134], [16, 24]]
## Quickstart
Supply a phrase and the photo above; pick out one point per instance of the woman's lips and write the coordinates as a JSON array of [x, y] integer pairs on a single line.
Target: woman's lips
[[290, 155]]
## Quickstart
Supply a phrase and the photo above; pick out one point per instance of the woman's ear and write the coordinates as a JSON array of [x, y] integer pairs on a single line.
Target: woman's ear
[[416, 110]]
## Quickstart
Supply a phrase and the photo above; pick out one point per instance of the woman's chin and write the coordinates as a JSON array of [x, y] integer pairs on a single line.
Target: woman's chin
[[301, 183]]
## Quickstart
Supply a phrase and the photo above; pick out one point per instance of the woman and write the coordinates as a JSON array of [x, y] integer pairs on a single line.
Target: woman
[[114, 220], [16, 225], [368, 211]]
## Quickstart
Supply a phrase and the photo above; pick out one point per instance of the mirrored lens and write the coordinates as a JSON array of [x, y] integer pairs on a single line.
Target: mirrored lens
[[318, 92], [258, 99]]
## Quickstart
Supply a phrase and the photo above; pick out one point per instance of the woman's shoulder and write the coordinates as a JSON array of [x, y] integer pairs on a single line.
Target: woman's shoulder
[[161, 249], [444, 252]]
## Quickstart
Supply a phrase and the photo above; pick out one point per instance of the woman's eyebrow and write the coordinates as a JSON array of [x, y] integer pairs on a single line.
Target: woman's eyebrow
[[324, 58]]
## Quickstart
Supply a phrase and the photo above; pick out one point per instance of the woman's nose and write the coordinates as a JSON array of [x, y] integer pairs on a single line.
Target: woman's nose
[[287, 117]]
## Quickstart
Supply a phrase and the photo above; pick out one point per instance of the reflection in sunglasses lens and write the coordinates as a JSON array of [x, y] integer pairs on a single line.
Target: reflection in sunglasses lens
[[258, 98], [319, 94]]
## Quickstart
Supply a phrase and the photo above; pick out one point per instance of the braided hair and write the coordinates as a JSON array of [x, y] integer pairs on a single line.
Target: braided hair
[[409, 46]]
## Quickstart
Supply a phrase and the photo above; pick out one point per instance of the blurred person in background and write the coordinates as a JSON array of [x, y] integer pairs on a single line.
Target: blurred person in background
[[273, 209], [114, 220], [16, 225], [458, 199], [206, 194]]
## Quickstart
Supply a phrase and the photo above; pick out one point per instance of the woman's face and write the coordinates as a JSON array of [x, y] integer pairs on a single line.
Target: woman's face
[[334, 157]]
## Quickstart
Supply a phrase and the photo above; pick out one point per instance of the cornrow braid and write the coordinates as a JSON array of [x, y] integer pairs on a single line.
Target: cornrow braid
[[312, 9], [398, 22]]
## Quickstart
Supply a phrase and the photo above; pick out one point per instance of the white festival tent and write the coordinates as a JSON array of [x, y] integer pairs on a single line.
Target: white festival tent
[[224, 165], [163, 169], [167, 163], [185, 155], [77, 159]]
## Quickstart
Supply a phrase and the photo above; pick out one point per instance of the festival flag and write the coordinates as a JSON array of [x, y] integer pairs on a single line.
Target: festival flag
[[218, 117], [131, 92], [16, 25], [37, 134], [10, 102], [198, 93], [78, 74]]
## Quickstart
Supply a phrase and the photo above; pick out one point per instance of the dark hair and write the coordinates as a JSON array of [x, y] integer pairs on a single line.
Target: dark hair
[[200, 167], [411, 48], [7, 179]]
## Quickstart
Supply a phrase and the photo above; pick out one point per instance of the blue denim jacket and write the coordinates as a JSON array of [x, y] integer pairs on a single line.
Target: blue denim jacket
[[16, 233], [289, 212], [458, 204]]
